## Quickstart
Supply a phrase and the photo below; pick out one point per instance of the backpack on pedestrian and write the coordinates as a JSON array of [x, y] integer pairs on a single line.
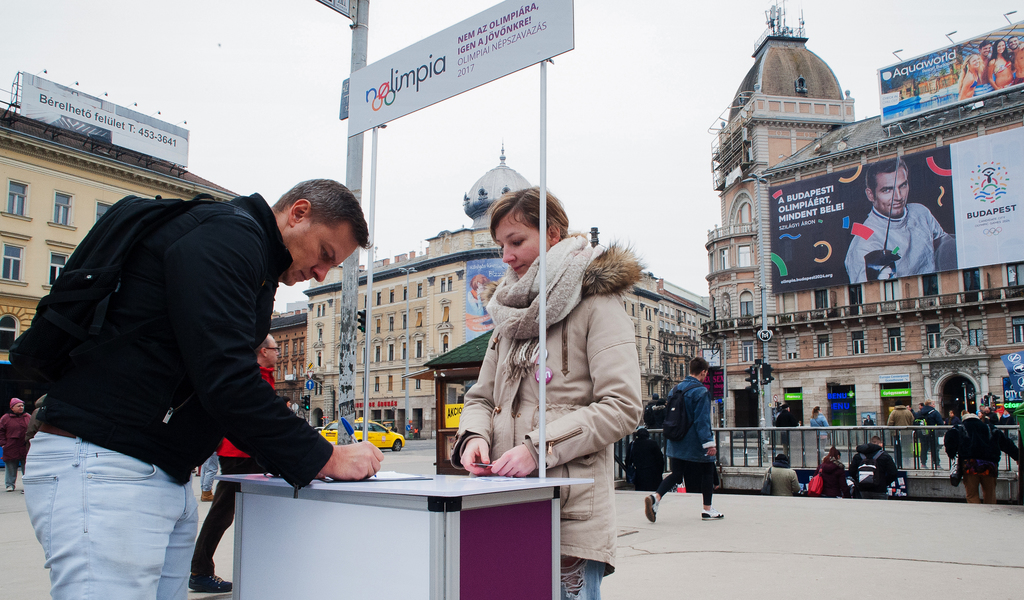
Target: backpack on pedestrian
[[65, 329], [868, 473], [677, 418]]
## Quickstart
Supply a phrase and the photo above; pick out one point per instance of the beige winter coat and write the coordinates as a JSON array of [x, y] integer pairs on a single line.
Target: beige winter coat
[[901, 416], [593, 400]]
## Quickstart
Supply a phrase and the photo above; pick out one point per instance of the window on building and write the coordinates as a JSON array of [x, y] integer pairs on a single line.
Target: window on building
[[403, 384], [1015, 274], [405, 293], [404, 351], [890, 290], [930, 285], [419, 290], [378, 298], [723, 258], [320, 334], [319, 358], [57, 262], [378, 324], [17, 194], [934, 335], [823, 346], [748, 351], [743, 256], [858, 342], [391, 295], [302, 346], [391, 352], [419, 348], [391, 323], [895, 339], [974, 333], [419, 319], [391, 383], [418, 383], [820, 299], [856, 293], [1018, 330], [444, 317], [444, 285], [744, 212], [376, 354], [405, 321], [61, 209], [789, 303], [285, 350], [792, 348], [8, 331], [444, 343], [972, 279], [12, 262], [376, 384], [101, 209], [451, 284], [746, 304]]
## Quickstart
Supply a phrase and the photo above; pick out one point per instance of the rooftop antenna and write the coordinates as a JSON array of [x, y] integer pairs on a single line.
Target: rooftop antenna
[[895, 53], [1007, 16], [950, 38]]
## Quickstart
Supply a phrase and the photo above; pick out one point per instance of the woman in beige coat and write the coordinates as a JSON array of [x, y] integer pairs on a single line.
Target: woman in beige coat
[[592, 373]]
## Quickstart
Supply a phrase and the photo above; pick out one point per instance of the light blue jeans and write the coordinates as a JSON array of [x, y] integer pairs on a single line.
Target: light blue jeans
[[111, 526], [582, 581], [208, 472]]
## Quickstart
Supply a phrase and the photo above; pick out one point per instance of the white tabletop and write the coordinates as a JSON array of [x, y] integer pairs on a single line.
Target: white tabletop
[[447, 486]]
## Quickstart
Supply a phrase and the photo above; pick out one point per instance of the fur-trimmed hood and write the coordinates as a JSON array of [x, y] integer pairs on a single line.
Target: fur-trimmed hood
[[614, 271]]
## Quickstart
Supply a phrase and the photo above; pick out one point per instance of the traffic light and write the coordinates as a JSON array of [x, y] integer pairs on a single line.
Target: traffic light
[[305, 402], [361, 320], [752, 379], [766, 374]]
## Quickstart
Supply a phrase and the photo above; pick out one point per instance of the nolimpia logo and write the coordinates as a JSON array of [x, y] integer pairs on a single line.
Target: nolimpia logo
[[386, 93], [989, 182]]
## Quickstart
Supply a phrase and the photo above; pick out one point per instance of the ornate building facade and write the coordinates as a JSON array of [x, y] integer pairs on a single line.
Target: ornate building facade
[[852, 349]]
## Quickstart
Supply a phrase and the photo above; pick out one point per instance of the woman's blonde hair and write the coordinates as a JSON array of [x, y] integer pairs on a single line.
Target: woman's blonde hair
[[524, 206]]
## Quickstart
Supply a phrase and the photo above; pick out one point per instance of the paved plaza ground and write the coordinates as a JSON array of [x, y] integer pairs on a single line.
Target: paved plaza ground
[[766, 547]]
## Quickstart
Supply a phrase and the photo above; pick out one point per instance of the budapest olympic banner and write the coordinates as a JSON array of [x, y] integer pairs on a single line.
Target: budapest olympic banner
[[480, 274], [63, 107], [989, 64], [943, 209], [501, 40]]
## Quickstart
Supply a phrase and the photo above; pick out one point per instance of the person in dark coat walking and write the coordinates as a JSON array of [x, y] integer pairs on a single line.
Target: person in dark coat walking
[[977, 445], [645, 457], [13, 426]]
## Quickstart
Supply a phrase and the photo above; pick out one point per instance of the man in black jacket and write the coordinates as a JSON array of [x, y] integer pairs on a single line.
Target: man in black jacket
[[123, 433], [878, 473], [928, 437], [785, 419], [977, 445]]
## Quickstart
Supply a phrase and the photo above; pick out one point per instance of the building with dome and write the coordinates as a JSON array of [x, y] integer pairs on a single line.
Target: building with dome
[[444, 312], [853, 347]]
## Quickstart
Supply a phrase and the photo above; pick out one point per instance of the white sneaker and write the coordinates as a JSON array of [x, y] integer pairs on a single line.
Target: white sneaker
[[711, 515], [10, 489], [651, 508]]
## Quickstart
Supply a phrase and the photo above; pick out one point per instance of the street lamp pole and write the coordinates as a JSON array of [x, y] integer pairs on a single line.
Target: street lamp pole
[[408, 346], [762, 225]]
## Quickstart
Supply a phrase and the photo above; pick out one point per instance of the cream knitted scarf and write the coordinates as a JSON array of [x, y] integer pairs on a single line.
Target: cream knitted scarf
[[515, 305]]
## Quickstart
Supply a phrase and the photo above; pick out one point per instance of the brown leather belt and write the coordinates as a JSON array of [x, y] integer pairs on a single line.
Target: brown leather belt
[[47, 428]]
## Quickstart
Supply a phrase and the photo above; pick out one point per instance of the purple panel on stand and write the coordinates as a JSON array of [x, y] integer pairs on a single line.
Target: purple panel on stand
[[505, 552]]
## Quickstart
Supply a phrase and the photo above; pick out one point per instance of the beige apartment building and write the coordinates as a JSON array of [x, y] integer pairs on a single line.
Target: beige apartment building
[[58, 183]]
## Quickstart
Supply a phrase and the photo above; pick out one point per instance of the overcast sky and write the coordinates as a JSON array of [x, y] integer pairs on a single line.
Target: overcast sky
[[629, 151]]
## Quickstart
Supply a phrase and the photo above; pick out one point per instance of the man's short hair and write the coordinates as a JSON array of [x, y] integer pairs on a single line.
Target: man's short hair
[[698, 365], [876, 440], [331, 203], [882, 166]]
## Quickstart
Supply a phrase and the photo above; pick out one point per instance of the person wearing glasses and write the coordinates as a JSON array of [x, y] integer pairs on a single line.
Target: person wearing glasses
[[222, 512]]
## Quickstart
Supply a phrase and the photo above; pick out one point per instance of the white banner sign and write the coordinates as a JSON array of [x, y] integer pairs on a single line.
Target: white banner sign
[[901, 378], [63, 107], [501, 40]]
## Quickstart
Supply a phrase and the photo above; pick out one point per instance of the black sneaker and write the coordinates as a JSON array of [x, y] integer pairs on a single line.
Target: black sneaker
[[208, 583], [651, 508]]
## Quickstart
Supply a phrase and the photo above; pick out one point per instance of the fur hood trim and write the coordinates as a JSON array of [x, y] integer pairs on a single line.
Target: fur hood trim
[[614, 271]]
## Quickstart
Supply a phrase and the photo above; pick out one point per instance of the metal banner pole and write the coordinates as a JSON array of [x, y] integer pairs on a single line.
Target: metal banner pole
[[369, 286], [542, 350]]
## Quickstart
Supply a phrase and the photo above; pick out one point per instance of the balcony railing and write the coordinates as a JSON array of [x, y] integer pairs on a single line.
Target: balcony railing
[[731, 230], [892, 307]]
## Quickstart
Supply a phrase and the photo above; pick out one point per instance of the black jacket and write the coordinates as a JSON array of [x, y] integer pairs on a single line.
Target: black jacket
[[785, 418], [170, 396], [645, 454], [976, 439], [885, 466]]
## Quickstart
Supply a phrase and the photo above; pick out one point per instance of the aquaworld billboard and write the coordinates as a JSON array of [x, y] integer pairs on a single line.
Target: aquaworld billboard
[[948, 208], [987, 65]]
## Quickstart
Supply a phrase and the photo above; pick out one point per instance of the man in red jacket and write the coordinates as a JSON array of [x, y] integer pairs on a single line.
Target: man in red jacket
[[222, 512], [12, 438]]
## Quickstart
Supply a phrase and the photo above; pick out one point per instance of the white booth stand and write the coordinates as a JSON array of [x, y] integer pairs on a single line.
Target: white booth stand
[[441, 538]]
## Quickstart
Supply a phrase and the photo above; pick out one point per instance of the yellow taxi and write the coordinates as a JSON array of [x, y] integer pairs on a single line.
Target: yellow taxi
[[380, 436]]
